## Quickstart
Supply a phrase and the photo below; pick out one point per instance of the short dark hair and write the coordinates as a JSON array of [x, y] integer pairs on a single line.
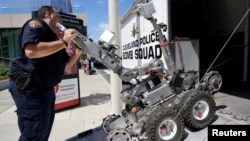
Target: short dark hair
[[42, 11]]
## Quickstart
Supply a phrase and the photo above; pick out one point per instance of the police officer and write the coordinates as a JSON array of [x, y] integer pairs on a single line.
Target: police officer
[[38, 68]]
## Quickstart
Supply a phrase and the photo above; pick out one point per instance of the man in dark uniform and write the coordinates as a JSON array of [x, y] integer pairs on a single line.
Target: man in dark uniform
[[38, 68]]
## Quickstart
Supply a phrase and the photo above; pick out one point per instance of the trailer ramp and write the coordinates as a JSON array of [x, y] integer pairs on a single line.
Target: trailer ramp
[[95, 134]]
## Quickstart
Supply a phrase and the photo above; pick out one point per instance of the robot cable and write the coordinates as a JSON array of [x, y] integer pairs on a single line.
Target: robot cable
[[226, 43], [178, 113]]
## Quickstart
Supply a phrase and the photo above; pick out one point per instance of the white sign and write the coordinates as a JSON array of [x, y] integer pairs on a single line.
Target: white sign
[[140, 43], [67, 93]]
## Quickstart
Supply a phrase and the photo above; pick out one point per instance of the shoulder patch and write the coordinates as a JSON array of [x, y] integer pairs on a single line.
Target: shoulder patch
[[35, 24]]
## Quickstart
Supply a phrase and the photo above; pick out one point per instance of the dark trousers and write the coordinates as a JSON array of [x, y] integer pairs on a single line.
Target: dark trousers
[[35, 112]]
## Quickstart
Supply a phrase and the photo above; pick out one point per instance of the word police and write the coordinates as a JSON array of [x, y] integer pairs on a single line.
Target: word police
[[142, 51]]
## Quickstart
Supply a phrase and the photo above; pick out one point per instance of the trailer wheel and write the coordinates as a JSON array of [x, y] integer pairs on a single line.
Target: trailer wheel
[[199, 110], [163, 125]]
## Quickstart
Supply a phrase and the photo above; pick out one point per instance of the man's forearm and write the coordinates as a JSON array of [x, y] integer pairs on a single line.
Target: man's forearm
[[43, 49]]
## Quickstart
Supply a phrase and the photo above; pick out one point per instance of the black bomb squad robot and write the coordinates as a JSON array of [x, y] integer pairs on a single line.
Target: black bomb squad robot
[[158, 107]]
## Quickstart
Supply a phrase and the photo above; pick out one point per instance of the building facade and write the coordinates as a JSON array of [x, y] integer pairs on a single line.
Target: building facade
[[25, 6], [14, 13]]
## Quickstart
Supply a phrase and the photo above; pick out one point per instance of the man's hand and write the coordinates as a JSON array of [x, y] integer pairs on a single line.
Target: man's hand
[[78, 50], [69, 34]]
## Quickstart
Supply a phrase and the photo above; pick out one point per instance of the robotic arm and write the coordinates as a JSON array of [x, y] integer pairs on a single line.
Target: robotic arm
[[105, 53]]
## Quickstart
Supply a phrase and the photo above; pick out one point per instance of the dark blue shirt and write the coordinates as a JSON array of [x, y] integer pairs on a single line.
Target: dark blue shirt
[[46, 71]]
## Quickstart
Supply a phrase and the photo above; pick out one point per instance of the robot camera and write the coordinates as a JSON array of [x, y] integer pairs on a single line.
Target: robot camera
[[146, 9], [107, 36]]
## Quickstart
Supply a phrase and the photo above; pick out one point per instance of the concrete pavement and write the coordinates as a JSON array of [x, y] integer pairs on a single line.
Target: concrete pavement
[[95, 105]]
